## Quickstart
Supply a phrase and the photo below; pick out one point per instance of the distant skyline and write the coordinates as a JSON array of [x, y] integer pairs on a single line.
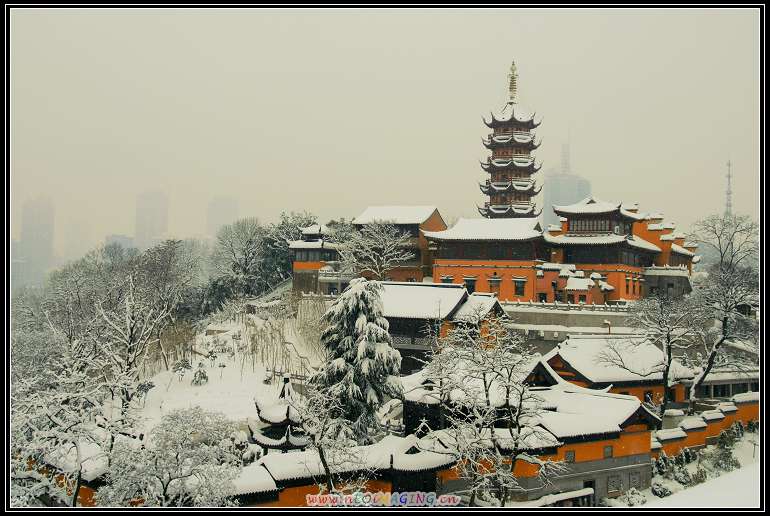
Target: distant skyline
[[331, 111]]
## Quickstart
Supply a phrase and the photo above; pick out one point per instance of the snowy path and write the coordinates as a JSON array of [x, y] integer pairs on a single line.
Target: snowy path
[[738, 488]]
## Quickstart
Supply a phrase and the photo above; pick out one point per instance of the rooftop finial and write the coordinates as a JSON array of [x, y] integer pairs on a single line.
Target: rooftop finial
[[512, 76]]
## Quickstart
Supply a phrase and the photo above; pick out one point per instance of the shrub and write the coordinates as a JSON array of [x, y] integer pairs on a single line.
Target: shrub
[[682, 476], [201, 376], [660, 490], [632, 498], [699, 476]]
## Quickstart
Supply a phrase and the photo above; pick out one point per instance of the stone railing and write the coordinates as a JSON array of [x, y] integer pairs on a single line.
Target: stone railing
[[566, 306]]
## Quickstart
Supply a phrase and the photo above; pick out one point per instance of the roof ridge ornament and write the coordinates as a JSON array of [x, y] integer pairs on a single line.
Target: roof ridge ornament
[[512, 77]]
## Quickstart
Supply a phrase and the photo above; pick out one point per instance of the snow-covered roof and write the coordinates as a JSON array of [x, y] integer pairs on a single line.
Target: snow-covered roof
[[405, 454], [514, 111], [640, 243], [315, 229], [666, 270], [476, 307], [670, 433], [592, 206], [579, 411], [745, 397], [693, 423], [712, 415], [681, 250], [310, 244], [489, 229], [395, 214], [254, 478], [600, 358], [727, 375], [575, 283], [606, 239], [411, 300], [727, 407]]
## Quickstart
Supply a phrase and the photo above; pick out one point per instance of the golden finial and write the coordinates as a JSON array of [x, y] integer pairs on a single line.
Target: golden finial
[[512, 76]]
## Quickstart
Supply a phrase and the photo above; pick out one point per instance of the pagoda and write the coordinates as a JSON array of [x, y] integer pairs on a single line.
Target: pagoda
[[511, 186]]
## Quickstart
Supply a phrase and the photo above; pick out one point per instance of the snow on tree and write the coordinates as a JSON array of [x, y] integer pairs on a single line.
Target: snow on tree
[[189, 459], [56, 416], [376, 249], [238, 255], [321, 418], [361, 367], [200, 377], [719, 298], [128, 334], [669, 324], [163, 275], [479, 372], [276, 263]]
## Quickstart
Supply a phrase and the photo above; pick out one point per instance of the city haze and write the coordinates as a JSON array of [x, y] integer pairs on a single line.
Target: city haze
[[333, 111]]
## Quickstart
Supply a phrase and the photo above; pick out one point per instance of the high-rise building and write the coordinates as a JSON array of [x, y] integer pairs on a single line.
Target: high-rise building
[[511, 187], [37, 233], [221, 211], [562, 187], [151, 218]]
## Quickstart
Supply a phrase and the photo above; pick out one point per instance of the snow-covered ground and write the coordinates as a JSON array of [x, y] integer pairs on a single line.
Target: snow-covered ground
[[739, 488], [230, 390]]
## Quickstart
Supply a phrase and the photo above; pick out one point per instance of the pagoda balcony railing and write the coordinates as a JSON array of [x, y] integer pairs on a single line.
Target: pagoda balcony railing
[[518, 204], [509, 133], [509, 182], [510, 156]]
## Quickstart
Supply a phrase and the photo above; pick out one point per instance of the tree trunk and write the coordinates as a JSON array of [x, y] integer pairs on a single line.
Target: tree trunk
[[76, 490], [709, 364], [322, 456]]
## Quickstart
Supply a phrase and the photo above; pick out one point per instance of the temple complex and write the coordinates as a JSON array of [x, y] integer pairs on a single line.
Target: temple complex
[[603, 252]]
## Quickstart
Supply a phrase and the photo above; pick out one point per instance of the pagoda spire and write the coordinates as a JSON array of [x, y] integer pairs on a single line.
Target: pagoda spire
[[512, 77]]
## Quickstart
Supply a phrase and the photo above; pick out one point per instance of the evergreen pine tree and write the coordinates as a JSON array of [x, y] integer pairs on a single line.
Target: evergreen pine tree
[[362, 368]]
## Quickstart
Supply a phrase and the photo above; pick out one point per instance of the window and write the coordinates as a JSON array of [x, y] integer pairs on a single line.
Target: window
[[614, 483], [542, 297], [447, 279], [518, 287], [582, 298], [470, 285], [721, 391], [755, 387], [607, 452], [569, 456]]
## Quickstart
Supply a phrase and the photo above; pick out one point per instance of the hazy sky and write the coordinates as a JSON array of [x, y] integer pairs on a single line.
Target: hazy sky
[[336, 110]]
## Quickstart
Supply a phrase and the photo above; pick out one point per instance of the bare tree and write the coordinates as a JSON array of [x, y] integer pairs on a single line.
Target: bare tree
[[669, 324], [733, 237], [239, 252], [377, 249], [479, 373], [719, 298]]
